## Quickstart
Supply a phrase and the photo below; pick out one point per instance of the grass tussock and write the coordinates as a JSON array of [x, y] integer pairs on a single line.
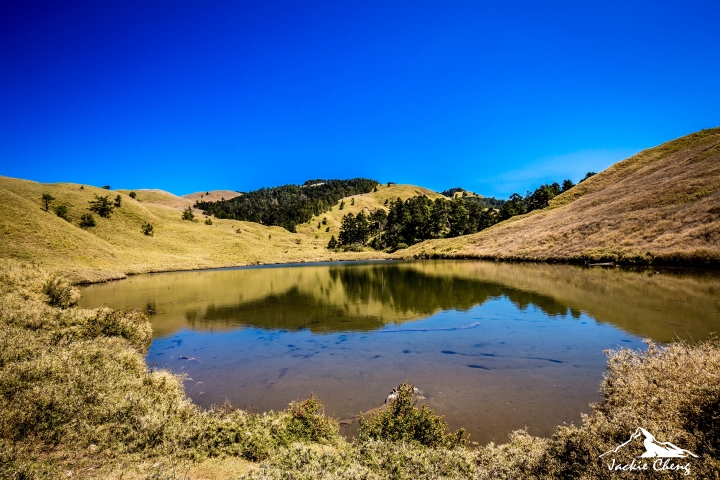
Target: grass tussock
[[76, 396]]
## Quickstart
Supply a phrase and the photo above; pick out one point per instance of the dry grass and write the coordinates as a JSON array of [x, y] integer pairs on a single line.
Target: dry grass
[[660, 206], [116, 246]]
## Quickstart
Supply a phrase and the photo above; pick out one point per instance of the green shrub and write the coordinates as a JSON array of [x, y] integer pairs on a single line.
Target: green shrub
[[62, 212], [132, 195], [118, 201], [208, 221], [402, 420], [87, 220]]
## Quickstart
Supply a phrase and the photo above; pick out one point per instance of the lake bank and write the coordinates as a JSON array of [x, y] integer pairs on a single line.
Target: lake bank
[[137, 422]]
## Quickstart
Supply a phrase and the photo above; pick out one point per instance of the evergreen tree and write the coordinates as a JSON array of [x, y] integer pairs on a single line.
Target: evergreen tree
[[567, 185], [332, 244], [342, 205], [458, 218], [438, 218], [347, 230], [102, 206], [362, 229], [588, 175], [514, 206], [188, 215], [118, 201], [47, 199]]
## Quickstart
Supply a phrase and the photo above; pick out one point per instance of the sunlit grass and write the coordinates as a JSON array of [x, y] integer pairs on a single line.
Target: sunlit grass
[[659, 206]]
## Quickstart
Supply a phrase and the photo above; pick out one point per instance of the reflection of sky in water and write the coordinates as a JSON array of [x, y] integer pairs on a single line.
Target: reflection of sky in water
[[350, 333], [517, 368]]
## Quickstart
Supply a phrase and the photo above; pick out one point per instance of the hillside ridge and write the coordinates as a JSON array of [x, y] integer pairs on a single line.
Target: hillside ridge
[[659, 206]]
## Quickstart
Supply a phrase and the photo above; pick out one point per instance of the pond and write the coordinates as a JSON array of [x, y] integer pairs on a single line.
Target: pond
[[492, 346]]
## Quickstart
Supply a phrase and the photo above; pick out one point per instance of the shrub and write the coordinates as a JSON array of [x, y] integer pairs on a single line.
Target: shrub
[[188, 215], [309, 422], [327, 229], [60, 292], [132, 195], [102, 206], [352, 201], [62, 212], [401, 245], [208, 221], [87, 220], [106, 187], [342, 205], [402, 420], [147, 229], [118, 201]]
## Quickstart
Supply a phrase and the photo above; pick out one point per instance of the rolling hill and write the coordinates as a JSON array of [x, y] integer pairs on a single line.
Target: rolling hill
[[659, 206], [116, 246]]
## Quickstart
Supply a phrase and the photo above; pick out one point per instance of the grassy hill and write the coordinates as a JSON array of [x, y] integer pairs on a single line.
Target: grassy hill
[[661, 205], [116, 246]]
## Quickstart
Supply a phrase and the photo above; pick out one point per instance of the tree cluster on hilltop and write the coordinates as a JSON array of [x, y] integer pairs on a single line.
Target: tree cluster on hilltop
[[419, 218], [490, 202], [288, 205]]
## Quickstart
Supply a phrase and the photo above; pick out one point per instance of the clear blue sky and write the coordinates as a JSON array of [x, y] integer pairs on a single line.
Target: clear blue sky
[[495, 97]]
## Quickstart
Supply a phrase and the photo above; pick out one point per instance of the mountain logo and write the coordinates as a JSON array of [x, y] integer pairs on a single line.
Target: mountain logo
[[653, 447]]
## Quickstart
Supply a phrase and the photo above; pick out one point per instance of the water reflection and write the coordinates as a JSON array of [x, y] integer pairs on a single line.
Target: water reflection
[[334, 298], [492, 346]]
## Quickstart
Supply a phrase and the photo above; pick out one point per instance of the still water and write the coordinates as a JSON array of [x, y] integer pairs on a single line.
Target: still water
[[493, 346]]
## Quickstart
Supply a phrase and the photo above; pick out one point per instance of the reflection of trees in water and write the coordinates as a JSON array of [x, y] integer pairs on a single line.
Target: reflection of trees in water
[[408, 291], [405, 291]]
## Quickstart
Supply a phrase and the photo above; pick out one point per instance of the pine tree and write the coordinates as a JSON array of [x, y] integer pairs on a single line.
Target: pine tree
[[188, 215], [101, 205], [118, 201], [332, 244], [47, 200]]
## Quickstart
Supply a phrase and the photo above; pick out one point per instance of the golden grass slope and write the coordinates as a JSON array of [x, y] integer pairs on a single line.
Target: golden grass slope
[[661, 205], [116, 246]]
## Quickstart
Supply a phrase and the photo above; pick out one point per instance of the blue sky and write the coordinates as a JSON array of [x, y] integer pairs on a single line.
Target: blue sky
[[495, 97]]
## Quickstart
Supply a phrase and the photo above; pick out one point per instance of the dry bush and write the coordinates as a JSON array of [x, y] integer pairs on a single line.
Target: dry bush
[[60, 292]]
